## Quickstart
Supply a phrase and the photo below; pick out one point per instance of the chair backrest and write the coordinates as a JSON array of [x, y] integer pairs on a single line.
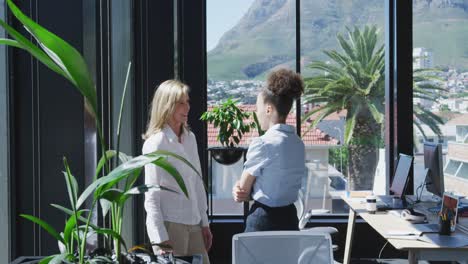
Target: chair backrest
[[281, 247], [314, 188]]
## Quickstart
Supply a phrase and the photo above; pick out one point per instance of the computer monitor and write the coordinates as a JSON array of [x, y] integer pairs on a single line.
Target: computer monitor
[[433, 161], [400, 179]]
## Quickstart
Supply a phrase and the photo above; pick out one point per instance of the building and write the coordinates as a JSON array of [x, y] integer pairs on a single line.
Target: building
[[422, 58], [456, 168], [454, 104], [448, 134]]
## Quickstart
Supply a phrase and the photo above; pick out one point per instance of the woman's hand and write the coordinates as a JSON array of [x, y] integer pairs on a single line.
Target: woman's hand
[[239, 194], [207, 237], [165, 247]]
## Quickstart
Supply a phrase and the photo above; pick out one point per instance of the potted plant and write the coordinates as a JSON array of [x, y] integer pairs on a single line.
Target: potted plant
[[115, 186], [233, 123]]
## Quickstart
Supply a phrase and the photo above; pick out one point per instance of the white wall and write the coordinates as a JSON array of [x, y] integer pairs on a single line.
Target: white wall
[[224, 178]]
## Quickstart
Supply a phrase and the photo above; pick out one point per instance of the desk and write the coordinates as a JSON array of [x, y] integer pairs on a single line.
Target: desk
[[383, 222]]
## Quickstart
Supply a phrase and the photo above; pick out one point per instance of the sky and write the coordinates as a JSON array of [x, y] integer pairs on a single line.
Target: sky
[[222, 15]]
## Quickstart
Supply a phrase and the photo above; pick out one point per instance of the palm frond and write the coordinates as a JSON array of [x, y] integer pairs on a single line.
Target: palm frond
[[421, 130]]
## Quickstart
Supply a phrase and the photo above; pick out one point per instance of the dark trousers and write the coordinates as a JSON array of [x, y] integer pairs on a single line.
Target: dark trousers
[[265, 218]]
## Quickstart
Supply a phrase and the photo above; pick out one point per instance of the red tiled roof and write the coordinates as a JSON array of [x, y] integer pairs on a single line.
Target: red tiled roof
[[332, 116], [310, 136], [459, 120]]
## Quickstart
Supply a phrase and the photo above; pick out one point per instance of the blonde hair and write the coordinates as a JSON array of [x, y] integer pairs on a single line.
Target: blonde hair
[[163, 105]]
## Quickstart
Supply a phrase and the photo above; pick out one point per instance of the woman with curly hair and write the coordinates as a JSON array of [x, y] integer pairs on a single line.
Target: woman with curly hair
[[275, 161]]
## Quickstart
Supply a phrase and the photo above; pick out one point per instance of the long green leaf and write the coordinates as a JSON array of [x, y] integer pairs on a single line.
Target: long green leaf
[[421, 130], [88, 191], [10, 42], [102, 161], [111, 233], [105, 206], [146, 187], [125, 169], [109, 155], [327, 110], [350, 124], [70, 212], [72, 184], [130, 181], [171, 154], [122, 103], [111, 195], [59, 259], [45, 226], [27, 45], [174, 173], [46, 260], [378, 116], [69, 226], [63, 54], [117, 174]]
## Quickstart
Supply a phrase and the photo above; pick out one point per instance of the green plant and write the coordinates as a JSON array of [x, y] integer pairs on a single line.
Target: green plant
[[231, 122], [339, 157], [426, 86], [65, 60], [354, 81]]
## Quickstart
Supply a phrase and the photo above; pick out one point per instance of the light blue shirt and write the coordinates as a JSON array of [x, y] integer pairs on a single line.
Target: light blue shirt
[[277, 160]]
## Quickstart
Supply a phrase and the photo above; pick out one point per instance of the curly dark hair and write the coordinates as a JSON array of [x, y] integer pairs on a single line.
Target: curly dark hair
[[282, 88]]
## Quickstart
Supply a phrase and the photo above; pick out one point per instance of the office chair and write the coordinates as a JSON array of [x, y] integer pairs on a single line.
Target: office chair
[[282, 247], [313, 173]]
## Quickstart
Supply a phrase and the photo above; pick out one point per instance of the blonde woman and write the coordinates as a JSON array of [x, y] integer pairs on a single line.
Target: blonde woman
[[173, 218]]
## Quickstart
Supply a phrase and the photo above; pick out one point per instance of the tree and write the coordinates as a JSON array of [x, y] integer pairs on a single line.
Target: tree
[[444, 108], [426, 86], [353, 82]]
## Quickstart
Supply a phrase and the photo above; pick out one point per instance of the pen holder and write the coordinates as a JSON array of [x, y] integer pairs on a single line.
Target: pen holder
[[444, 227]]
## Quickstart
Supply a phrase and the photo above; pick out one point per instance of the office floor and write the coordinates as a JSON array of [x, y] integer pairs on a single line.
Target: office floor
[[373, 261], [391, 261]]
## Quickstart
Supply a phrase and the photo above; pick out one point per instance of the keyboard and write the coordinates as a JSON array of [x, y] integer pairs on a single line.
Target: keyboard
[[427, 228], [385, 203]]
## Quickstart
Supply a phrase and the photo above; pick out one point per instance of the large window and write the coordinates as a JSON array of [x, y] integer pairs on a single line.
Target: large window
[[440, 98], [253, 38], [342, 84], [246, 40]]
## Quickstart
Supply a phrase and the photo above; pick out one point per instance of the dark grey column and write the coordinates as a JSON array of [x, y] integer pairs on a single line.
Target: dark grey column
[[47, 125], [4, 150], [192, 67], [154, 63], [398, 82]]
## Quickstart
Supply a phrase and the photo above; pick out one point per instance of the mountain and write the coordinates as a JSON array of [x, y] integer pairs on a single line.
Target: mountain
[[264, 38]]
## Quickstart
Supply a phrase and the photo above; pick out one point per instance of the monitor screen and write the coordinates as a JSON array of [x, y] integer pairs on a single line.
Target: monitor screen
[[433, 161], [401, 175]]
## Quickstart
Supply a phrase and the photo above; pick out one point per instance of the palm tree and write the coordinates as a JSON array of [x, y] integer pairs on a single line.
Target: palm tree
[[355, 83], [426, 84]]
